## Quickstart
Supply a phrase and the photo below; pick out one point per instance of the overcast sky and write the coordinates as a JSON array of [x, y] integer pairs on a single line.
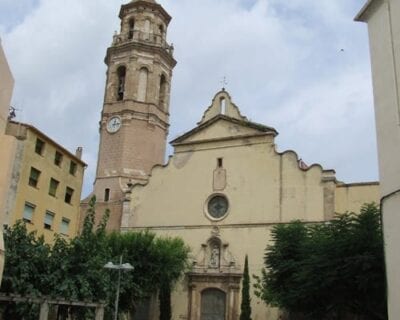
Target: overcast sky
[[300, 66]]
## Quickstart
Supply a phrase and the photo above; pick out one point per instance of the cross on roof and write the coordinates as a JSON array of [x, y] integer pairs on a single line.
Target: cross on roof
[[224, 82]]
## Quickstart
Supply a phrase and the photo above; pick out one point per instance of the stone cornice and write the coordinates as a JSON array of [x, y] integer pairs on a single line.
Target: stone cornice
[[128, 46]]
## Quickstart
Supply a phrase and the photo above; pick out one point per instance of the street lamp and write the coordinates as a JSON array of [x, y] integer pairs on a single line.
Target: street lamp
[[119, 267]]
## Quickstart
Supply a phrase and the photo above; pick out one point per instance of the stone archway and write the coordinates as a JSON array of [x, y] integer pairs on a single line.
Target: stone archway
[[213, 304], [214, 282]]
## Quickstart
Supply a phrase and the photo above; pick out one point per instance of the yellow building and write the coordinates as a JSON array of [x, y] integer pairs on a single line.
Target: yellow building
[[45, 185], [6, 88]]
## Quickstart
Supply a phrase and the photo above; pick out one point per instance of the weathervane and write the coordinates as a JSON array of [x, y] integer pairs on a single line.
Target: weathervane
[[11, 113], [224, 82]]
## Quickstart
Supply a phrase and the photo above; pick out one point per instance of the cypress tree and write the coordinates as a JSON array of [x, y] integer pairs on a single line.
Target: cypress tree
[[245, 307], [164, 297]]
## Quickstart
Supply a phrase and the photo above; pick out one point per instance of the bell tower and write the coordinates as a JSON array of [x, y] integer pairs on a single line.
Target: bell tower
[[135, 117]]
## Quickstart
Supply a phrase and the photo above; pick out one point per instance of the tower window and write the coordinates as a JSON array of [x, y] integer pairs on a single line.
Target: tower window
[[161, 29], [163, 89], [142, 87], [147, 26], [121, 72], [131, 28], [106, 195], [219, 163]]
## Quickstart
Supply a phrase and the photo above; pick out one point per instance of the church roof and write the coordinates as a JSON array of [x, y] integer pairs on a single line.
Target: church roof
[[222, 108]]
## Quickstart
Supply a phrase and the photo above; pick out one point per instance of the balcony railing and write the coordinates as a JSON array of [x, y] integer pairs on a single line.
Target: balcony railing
[[143, 37]]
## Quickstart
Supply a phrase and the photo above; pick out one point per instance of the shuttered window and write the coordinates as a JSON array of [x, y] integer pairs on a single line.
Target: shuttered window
[[48, 220], [28, 212]]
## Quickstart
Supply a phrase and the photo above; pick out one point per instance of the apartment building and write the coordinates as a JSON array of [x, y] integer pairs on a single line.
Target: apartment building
[[45, 184]]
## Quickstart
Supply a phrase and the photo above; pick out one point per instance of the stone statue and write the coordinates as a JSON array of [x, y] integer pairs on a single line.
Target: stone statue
[[214, 258]]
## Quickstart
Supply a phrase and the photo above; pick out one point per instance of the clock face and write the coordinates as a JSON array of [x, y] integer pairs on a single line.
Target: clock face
[[113, 124], [217, 206]]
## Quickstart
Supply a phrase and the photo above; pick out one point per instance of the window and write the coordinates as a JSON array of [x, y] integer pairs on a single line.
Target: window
[[58, 158], [72, 168], [163, 87], [121, 72], [219, 163], [64, 226], [48, 220], [223, 105], [34, 177], [131, 28], [39, 147], [68, 194], [106, 195], [28, 212], [53, 187], [142, 87]]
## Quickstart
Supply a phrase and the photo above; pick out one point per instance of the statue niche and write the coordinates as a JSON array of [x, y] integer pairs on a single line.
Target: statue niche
[[214, 253]]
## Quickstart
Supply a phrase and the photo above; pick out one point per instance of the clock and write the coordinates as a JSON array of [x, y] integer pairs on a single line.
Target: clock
[[114, 124], [217, 206]]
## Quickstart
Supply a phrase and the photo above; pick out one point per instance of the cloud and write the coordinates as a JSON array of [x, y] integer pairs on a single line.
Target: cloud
[[283, 62]]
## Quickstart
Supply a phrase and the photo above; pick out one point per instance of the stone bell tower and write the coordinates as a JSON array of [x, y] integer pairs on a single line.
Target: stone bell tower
[[135, 116]]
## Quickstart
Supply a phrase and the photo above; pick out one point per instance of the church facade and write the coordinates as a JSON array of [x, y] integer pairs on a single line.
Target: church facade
[[222, 190]]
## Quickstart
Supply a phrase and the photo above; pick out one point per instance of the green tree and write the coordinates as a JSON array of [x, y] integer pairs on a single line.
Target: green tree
[[74, 269], [26, 269], [158, 264], [77, 265], [245, 307], [328, 271]]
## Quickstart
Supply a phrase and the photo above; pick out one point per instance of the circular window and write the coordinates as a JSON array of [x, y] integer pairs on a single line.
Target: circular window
[[217, 206]]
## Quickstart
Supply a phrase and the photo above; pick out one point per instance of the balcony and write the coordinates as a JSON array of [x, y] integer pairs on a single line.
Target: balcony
[[143, 37]]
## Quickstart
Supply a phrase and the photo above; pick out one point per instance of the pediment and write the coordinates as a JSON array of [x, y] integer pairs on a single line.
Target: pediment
[[222, 127]]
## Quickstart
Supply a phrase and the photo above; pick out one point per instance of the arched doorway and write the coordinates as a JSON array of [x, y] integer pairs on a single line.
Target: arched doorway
[[213, 304]]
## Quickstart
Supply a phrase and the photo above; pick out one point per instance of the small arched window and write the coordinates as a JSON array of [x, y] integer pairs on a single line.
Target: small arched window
[[163, 91], [161, 29], [223, 106], [146, 30], [142, 86], [131, 29], [147, 26], [121, 73], [106, 195]]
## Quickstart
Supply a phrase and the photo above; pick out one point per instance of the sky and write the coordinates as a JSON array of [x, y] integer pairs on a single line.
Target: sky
[[300, 66]]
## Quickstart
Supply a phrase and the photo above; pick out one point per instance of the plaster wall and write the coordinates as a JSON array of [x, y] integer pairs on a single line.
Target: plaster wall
[[383, 18], [261, 186], [351, 197], [6, 88], [384, 34], [7, 148]]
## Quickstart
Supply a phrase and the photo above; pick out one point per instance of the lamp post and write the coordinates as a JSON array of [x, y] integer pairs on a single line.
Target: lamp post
[[120, 267]]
